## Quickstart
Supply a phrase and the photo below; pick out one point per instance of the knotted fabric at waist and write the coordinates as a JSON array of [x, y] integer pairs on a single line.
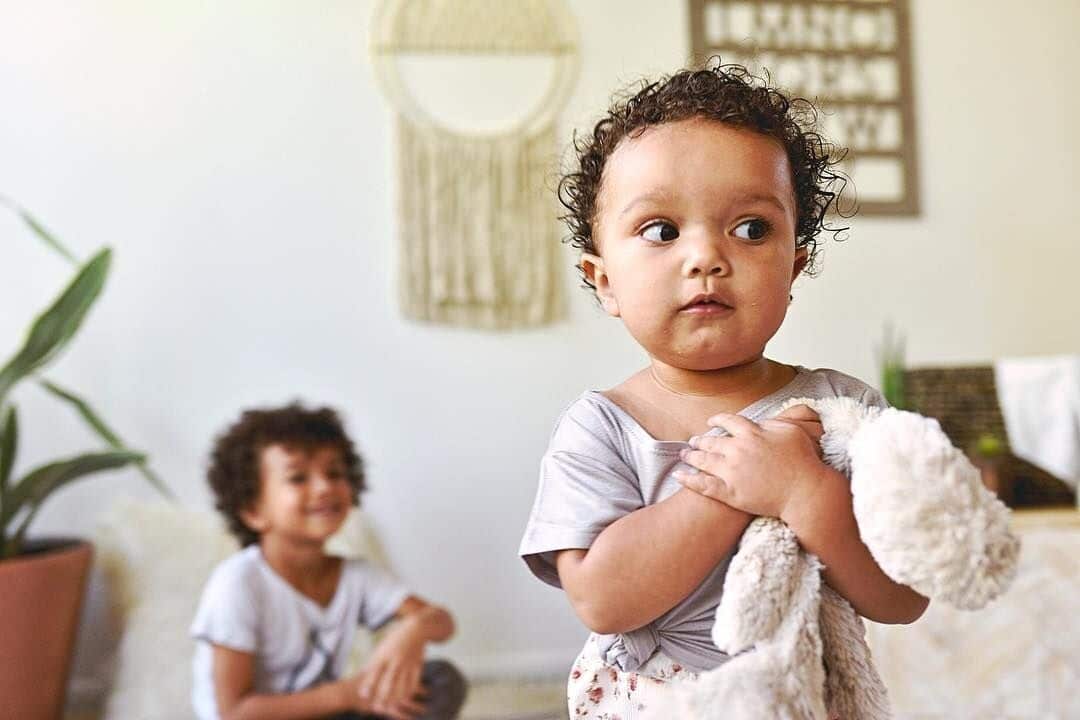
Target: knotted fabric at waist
[[688, 643]]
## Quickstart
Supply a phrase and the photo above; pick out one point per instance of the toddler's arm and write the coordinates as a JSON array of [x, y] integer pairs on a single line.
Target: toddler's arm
[[774, 470], [821, 516], [645, 563], [234, 673], [392, 674]]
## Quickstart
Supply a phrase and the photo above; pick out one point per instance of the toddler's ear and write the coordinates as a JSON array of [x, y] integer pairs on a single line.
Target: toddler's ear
[[593, 267], [253, 519], [802, 256]]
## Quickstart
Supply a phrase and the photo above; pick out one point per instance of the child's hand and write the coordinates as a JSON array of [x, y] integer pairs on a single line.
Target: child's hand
[[759, 467], [355, 700], [390, 680]]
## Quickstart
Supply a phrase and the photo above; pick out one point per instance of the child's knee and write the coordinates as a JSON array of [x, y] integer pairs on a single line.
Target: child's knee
[[446, 688]]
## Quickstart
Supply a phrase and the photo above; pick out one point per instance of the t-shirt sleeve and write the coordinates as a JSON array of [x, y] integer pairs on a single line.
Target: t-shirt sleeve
[[381, 593], [873, 398], [228, 609], [832, 383], [585, 485]]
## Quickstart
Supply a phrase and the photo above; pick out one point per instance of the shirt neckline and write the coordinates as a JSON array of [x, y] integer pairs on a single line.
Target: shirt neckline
[[751, 411], [322, 611]]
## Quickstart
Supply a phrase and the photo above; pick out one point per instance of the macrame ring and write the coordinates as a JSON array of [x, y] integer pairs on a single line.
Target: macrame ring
[[421, 27]]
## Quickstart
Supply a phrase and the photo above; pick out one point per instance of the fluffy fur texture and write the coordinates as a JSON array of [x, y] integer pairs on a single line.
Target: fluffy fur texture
[[798, 649]]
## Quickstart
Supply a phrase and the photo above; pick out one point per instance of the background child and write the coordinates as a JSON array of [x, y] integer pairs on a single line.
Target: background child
[[695, 203], [277, 620]]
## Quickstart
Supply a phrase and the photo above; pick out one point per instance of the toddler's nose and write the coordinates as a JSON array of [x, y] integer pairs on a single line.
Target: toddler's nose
[[704, 257]]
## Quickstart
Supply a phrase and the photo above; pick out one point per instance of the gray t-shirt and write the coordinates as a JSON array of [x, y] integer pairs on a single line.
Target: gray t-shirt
[[297, 643], [601, 465]]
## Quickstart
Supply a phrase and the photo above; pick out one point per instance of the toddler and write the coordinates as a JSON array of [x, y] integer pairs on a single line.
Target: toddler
[[695, 204], [277, 620]]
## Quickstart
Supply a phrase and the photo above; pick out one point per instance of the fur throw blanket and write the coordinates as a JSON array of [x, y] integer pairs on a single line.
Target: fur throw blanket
[[798, 648]]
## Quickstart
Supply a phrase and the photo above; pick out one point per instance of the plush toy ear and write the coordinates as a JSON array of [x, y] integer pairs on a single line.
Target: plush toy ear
[[924, 513], [840, 418]]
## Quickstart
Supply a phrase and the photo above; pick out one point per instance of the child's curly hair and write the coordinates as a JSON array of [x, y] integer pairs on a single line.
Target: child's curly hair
[[234, 461], [730, 94]]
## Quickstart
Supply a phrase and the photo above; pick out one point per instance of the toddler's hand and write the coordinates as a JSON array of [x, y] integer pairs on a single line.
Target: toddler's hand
[[391, 678], [758, 467], [807, 420], [357, 699]]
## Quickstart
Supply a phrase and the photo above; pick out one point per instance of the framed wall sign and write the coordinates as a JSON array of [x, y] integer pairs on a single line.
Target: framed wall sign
[[852, 58]]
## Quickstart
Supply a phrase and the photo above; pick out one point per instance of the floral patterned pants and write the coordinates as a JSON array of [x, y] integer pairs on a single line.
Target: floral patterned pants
[[598, 691]]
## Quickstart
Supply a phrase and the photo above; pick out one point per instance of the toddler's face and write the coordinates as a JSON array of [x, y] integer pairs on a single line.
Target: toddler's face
[[304, 493], [696, 237]]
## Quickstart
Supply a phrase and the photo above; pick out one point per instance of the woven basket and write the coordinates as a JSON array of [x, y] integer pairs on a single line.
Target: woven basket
[[965, 401]]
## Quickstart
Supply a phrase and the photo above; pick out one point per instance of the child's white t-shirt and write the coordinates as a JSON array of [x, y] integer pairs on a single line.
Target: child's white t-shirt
[[297, 643]]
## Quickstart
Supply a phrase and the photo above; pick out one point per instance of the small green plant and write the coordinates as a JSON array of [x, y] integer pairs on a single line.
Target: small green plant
[[989, 446], [54, 328], [891, 360]]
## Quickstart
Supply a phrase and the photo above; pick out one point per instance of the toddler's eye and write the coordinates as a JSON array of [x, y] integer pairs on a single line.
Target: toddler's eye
[[297, 479], [752, 229], [660, 231]]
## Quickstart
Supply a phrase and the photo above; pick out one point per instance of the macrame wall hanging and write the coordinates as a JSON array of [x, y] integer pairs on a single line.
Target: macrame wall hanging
[[475, 215]]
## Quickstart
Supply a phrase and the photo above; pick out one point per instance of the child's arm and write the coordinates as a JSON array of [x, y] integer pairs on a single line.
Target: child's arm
[[645, 563], [821, 516], [392, 674], [234, 673], [773, 469]]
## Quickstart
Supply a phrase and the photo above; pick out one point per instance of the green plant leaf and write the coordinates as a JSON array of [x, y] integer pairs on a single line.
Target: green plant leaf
[[47, 237], [55, 327], [36, 487], [9, 440], [94, 421]]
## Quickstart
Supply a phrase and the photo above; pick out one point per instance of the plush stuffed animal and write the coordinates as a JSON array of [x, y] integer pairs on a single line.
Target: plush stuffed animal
[[798, 649]]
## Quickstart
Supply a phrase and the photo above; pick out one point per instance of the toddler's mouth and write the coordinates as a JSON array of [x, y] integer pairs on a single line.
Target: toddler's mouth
[[707, 303]]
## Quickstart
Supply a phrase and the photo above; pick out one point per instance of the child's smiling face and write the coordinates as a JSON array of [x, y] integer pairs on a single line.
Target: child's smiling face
[[304, 493], [695, 230]]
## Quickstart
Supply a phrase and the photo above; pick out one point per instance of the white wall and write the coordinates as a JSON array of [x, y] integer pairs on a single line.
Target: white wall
[[237, 157]]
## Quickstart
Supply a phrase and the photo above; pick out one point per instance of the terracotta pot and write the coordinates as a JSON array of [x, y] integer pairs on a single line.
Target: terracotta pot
[[41, 594]]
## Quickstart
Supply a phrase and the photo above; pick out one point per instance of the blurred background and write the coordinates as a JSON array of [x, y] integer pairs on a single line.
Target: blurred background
[[238, 157]]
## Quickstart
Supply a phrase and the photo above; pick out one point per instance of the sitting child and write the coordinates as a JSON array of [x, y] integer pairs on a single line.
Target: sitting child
[[277, 619]]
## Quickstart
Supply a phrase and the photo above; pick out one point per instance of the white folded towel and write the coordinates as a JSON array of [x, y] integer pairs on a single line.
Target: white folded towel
[[1040, 401]]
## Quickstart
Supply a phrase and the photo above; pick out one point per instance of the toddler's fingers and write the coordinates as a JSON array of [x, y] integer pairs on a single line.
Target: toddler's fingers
[[709, 443], [413, 707], [369, 681], [702, 460], [704, 484], [392, 712], [387, 688], [408, 682], [735, 424], [799, 412]]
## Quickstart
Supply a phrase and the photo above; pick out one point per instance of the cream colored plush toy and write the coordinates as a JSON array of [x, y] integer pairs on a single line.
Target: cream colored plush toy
[[798, 648]]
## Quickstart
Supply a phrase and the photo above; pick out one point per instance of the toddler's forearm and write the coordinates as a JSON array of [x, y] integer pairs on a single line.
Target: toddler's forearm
[[644, 564], [823, 520], [430, 623], [319, 701]]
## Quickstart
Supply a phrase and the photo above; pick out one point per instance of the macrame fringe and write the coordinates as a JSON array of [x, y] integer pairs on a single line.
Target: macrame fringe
[[478, 245]]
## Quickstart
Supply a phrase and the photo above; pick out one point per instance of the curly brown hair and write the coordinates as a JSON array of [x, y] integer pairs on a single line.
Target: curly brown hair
[[730, 94], [233, 472]]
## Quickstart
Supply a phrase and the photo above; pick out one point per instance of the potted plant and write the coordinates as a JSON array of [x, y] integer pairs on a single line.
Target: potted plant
[[42, 580], [891, 361]]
